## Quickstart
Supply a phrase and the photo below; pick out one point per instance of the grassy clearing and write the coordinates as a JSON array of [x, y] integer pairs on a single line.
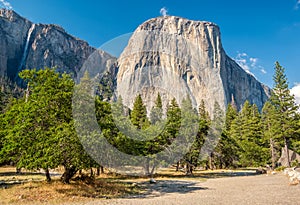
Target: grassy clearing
[[56, 192], [31, 188], [34, 190]]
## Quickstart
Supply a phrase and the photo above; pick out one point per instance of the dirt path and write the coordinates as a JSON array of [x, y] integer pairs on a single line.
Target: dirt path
[[272, 189]]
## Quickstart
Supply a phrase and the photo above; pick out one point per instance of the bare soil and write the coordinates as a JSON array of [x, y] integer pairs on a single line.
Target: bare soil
[[262, 189], [205, 187]]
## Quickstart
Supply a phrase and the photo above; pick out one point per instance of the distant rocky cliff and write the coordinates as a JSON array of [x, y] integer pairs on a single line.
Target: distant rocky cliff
[[170, 55], [176, 57], [24, 44]]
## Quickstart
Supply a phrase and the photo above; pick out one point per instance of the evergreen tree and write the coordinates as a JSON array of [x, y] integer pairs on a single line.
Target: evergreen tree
[[39, 130], [156, 111], [173, 119], [214, 135], [139, 114], [246, 130], [271, 128], [227, 147], [193, 156], [286, 109], [188, 132]]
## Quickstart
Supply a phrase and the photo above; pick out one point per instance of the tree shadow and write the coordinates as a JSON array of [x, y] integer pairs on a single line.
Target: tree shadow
[[210, 175], [8, 174], [163, 187]]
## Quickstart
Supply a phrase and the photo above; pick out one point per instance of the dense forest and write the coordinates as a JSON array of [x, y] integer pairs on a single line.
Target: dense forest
[[37, 129]]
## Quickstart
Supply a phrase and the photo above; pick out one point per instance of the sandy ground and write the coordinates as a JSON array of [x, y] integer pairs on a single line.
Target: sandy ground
[[263, 189]]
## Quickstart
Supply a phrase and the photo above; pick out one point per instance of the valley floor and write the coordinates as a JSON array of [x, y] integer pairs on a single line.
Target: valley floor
[[263, 189]]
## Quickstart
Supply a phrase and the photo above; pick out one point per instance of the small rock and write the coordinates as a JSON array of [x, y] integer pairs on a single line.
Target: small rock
[[152, 181], [261, 171]]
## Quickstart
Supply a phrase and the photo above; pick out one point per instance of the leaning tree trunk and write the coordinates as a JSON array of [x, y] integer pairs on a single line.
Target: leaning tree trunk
[[68, 174]]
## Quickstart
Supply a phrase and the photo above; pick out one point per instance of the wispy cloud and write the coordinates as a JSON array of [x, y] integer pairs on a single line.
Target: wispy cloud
[[296, 92], [164, 11], [249, 63], [5, 4], [297, 5]]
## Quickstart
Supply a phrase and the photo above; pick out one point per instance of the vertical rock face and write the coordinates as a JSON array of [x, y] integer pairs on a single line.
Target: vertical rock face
[[170, 55], [179, 57], [13, 32], [27, 45]]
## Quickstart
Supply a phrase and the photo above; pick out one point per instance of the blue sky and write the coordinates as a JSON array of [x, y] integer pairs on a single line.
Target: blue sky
[[256, 33]]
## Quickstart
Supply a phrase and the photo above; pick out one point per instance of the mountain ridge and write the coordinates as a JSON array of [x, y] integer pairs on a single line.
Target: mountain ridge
[[185, 55], [191, 52]]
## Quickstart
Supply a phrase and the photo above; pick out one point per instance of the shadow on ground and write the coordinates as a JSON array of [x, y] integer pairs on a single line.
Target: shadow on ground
[[163, 187]]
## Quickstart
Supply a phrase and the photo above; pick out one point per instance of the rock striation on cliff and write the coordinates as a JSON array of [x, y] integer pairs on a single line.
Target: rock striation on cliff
[[179, 57], [170, 55], [24, 44]]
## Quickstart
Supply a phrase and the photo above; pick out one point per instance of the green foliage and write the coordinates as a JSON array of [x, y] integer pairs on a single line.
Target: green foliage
[[247, 131], [193, 156], [156, 111], [285, 109], [139, 114], [271, 127], [227, 147], [39, 130]]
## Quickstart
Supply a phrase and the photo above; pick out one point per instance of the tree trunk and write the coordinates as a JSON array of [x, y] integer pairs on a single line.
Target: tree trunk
[[147, 167], [273, 153], [48, 177], [18, 170], [191, 169], [211, 161], [177, 166], [287, 151], [68, 174], [98, 171], [92, 172], [102, 169]]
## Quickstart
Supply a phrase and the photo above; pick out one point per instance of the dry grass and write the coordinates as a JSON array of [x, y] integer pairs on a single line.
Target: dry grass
[[56, 192], [34, 190]]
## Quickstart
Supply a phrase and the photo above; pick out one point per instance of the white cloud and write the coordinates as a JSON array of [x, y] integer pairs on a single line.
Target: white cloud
[[253, 61], [249, 63], [296, 92], [164, 11], [5, 4], [297, 5], [263, 71]]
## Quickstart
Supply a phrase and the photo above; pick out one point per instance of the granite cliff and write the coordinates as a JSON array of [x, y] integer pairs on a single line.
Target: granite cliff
[[170, 55], [179, 57], [24, 44]]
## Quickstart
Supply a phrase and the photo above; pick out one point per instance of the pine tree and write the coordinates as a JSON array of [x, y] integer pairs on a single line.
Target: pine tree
[[173, 119], [188, 132], [227, 146], [214, 136], [139, 114], [285, 107], [271, 128], [156, 111], [246, 130]]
